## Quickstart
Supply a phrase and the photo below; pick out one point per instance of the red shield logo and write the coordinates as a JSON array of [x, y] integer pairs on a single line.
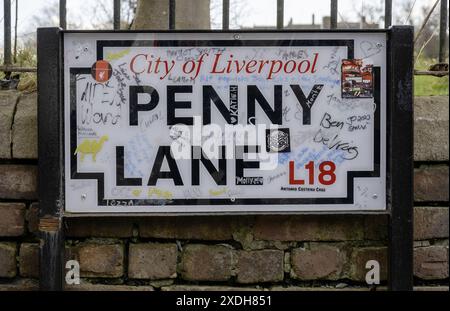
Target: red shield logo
[[101, 71]]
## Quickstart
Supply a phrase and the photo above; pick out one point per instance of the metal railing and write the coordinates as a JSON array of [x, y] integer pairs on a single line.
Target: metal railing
[[8, 66]]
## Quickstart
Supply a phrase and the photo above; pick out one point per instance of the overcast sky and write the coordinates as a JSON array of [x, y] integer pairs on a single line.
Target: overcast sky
[[257, 12]]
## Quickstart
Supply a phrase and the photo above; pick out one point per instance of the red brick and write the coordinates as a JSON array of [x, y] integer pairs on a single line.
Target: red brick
[[152, 261], [32, 217], [431, 128], [12, 219], [100, 260], [260, 266], [430, 222], [322, 288], [431, 263], [29, 260], [8, 259], [359, 258], [206, 263], [18, 182], [101, 228], [319, 261], [20, 285], [376, 227], [309, 228], [88, 287], [207, 288], [431, 183], [190, 228], [432, 288]]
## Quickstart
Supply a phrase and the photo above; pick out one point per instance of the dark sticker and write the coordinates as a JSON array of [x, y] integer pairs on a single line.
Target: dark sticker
[[277, 140], [357, 80], [234, 104], [101, 71], [249, 181]]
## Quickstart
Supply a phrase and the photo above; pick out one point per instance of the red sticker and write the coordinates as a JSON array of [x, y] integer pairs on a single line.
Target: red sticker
[[357, 79], [101, 71]]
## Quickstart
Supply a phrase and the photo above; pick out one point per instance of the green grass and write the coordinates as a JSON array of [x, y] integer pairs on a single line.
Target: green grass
[[429, 85], [26, 57]]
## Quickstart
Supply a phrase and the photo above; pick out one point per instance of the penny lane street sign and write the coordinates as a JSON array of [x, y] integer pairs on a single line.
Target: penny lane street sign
[[216, 122], [211, 122]]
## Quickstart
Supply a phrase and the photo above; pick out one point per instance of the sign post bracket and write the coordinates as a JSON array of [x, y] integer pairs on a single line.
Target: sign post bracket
[[51, 156], [401, 157]]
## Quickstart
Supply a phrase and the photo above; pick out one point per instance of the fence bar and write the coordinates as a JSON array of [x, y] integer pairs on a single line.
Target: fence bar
[[225, 14], [62, 14], [7, 33], [443, 31], [280, 14], [172, 14], [116, 20], [16, 18], [9, 68], [387, 13], [333, 14], [430, 73]]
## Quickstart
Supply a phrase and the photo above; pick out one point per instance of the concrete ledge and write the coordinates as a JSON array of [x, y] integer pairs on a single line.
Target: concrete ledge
[[24, 128], [18, 182], [431, 128], [8, 101]]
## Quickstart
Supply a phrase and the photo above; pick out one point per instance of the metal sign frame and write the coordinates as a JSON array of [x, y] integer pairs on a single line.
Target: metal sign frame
[[399, 153], [82, 200]]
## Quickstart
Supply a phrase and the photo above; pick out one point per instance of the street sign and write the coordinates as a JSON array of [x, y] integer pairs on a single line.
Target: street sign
[[222, 122], [137, 124]]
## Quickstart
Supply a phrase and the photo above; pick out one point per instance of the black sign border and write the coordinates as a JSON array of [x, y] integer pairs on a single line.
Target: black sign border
[[351, 175]]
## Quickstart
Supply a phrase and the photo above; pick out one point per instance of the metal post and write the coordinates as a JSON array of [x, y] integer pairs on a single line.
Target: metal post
[[7, 34], [280, 14], [50, 151], [333, 14], [62, 14], [172, 8], [225, 14], [443, 31], [387, 13], [401, 165], [116, 21]]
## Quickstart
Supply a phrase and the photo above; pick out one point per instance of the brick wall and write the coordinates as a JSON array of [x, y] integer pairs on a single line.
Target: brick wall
[[198, 253]]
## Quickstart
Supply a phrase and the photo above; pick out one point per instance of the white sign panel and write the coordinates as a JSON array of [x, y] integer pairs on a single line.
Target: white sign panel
[[223, 122]]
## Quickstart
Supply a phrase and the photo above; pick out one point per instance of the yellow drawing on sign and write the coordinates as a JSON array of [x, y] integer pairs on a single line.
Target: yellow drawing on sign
[[90, 146], [136, 192], [159, 193], [118, 55], [217, 192]]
